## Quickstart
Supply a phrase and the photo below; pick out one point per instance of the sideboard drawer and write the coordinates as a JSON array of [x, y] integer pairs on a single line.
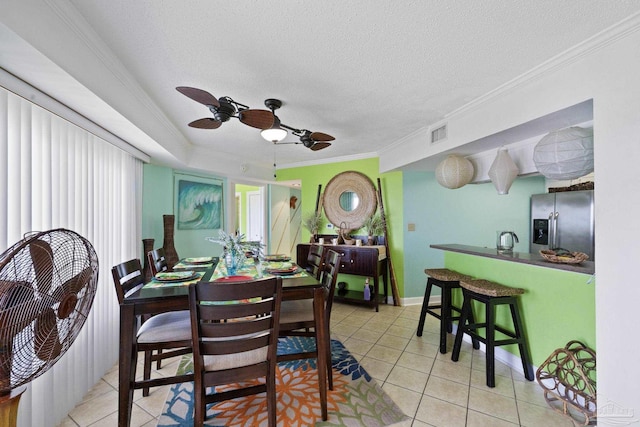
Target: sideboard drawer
[[361, 261]]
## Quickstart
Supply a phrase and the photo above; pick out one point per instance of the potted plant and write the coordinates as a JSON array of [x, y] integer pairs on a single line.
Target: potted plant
[[312, 221], [374, 225]]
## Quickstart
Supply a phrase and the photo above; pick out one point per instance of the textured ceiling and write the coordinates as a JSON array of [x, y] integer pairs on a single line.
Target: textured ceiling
[[368, 73]]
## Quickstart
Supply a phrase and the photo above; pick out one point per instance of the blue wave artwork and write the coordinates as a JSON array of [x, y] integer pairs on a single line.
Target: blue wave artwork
[[199, 205]]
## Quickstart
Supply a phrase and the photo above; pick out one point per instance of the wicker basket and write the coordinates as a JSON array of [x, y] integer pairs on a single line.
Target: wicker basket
[[563, 257]]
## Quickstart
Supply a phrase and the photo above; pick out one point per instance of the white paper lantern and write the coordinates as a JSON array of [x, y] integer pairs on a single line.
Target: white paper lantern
[[503, 171], [565, 153], [454, 171]]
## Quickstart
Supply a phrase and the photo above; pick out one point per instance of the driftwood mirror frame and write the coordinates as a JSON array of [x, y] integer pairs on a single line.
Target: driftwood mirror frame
[[357, 183]]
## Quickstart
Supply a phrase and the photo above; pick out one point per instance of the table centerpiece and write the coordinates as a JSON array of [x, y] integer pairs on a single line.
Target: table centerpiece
[[236, 250]]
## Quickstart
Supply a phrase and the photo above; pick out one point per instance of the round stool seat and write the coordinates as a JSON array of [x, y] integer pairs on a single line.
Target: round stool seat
[[489, 288], [446, 275]]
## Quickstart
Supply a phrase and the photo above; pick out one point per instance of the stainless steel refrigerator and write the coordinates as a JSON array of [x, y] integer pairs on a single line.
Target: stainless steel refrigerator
[[563, 220]]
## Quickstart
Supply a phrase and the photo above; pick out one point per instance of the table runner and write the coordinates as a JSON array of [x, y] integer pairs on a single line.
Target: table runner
[[249, 268]]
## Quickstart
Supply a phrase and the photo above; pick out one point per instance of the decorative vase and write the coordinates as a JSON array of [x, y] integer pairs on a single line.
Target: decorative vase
[[314, 238], [370, 240], [170, 254], [147, 246], [233, 262]]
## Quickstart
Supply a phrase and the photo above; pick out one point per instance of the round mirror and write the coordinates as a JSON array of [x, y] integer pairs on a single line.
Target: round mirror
[[349, 201], [349, 198]]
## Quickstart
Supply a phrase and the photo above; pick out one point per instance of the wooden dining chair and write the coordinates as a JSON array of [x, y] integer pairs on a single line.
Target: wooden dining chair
[[314, 260], [235, 336], [296, 316], [157, 261], [160, 332]]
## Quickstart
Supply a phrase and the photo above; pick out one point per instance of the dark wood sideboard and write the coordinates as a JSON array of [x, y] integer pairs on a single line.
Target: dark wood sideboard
[[357, 261]]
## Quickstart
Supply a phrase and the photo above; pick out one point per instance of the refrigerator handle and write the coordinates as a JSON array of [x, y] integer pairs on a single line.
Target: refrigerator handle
[[550, 244], [555, 229]]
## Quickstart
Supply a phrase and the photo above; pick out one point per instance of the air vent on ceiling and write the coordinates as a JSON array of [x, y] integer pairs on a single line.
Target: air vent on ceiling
[[439, 134]]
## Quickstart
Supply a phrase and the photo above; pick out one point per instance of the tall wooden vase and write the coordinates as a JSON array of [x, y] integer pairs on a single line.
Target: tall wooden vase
[[147, 246], [170, 254]]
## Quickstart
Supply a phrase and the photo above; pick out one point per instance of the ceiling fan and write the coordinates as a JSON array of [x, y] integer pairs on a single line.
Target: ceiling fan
[[225, 108]]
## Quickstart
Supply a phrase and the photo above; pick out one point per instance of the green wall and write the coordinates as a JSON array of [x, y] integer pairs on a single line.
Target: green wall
[[470, 215], [392, 190], [557, 307]]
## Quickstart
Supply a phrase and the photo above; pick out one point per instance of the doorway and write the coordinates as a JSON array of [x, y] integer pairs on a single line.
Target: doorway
[[255, 215]]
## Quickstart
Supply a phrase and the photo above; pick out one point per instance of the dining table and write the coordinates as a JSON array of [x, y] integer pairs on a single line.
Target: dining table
[[159, 296]]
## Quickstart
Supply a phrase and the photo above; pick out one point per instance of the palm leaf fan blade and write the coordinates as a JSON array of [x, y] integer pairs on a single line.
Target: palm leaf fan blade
[[42, 259], [206, 123], [199, 95], [259, 119], [46, 341]]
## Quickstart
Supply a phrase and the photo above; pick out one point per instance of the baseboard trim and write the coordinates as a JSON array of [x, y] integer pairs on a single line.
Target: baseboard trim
[[501, 355]]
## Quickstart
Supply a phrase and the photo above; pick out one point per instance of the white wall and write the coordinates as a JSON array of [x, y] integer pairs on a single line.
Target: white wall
[[280, 220], [604, 69]]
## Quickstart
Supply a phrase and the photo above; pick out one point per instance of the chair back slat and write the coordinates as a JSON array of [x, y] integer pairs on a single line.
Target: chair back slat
[[314, 260], [220, 329], [219, 291], [157, 261], [233, 310], [128, 277], [329, 278], [234, 346]]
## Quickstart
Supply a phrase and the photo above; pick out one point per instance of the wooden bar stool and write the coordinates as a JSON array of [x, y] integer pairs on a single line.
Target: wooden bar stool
[[492, 294], [446, 280]]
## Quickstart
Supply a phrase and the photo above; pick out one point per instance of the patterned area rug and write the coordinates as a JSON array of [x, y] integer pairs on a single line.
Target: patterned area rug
[[356, 399]]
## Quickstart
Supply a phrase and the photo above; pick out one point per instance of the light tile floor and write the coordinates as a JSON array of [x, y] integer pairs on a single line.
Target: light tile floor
[[426, 385]]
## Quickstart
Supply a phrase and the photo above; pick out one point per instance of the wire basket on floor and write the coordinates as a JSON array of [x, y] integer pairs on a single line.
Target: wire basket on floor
[[568, 379]]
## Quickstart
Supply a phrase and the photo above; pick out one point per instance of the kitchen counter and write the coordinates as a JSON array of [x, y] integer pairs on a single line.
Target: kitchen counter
[[558, 304], [586, 267]]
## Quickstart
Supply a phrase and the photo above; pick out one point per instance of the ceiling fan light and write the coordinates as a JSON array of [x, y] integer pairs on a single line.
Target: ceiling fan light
[[275, 133]]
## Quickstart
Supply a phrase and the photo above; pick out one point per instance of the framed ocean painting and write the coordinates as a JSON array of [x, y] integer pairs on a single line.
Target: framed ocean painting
[[199, 203]]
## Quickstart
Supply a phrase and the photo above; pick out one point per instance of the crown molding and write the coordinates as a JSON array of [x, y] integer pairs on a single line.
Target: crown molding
[[422, 132], [622, 29], [76, 22], [361, 156]]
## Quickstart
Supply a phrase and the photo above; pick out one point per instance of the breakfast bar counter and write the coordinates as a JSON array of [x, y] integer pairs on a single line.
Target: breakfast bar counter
[[585, 267], [558, 304]]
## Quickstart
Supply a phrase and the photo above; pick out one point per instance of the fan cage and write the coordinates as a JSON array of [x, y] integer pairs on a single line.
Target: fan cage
[[47, 285]]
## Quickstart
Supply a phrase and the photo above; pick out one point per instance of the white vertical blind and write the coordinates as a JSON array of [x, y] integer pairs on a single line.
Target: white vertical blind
[[55, 174]]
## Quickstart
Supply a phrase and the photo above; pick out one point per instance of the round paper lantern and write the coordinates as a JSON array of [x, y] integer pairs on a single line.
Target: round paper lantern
[[454, 171], [565, 153], [503, 171]]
